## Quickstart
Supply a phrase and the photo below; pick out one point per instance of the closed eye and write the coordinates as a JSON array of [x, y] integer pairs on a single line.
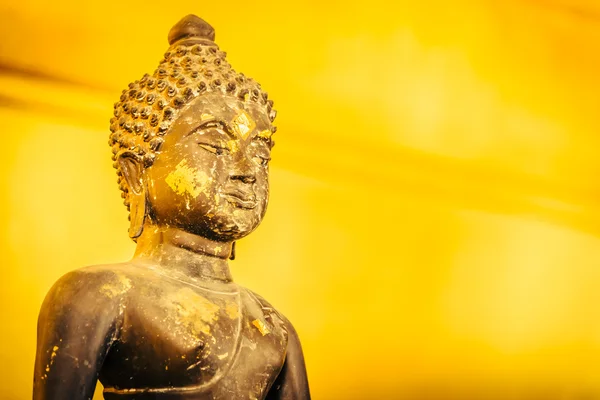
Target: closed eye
[[215, 149], [263, 161]]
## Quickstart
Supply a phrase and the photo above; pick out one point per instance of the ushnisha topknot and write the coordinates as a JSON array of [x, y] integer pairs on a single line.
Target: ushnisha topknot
[[192, 66]]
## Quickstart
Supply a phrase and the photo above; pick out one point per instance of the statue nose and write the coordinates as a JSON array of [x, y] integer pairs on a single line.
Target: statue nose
[[243, 168]]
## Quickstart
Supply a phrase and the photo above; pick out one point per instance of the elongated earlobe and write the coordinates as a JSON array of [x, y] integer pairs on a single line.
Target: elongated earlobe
[[137, 215], [131, 167], [232, 254]]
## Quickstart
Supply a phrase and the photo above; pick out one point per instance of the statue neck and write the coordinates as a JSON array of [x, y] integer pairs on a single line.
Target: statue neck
[[183, 255]]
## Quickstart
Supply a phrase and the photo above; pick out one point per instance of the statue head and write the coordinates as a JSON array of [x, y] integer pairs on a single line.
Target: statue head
[[192, 142]]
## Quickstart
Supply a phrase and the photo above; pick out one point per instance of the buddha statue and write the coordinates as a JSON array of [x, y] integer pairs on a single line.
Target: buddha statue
[[191, 144]]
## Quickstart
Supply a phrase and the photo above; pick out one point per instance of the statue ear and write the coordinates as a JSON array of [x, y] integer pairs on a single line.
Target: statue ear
[[132, 168], [232, 254]]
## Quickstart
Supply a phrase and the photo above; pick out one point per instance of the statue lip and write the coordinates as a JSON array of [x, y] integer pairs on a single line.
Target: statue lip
[[241, 199]]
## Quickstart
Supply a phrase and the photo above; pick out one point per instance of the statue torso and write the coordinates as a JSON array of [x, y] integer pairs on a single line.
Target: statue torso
[[178, 340]]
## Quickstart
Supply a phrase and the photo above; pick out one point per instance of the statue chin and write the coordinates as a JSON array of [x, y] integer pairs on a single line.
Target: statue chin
[[224, 227], [227, 228]]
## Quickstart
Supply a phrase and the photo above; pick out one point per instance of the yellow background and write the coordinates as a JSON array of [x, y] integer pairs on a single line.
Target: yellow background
[[433, 231]]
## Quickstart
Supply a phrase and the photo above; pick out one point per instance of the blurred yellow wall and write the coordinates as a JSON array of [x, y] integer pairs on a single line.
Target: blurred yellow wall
[[434, 225]]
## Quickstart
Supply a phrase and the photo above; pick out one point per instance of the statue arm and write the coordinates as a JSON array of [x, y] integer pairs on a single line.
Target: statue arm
[[76, 327], [292, 382]]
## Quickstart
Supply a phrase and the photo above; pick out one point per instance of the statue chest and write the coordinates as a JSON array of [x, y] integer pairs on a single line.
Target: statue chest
[[192, 343]]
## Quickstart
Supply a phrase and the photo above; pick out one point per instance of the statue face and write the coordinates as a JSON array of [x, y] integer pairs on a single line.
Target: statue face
[[211, 175]]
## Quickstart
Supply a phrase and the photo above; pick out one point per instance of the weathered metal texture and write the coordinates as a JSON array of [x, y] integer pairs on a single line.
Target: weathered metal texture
[[191, 145]]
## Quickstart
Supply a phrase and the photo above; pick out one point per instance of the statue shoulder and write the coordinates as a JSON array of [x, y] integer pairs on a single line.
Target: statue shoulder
[[80, 319], [260, 300], [103, 284], [293, 339], [83, 309], [267, 307]]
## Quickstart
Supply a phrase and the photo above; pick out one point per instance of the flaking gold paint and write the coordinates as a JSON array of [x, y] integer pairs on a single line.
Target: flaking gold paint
[[192, 311], [233, 146], [232, 310], [117, 288], [187, 180], [52, 356], [261, 326], [243, 124], [265, 134]]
